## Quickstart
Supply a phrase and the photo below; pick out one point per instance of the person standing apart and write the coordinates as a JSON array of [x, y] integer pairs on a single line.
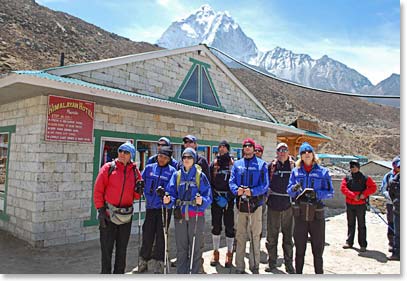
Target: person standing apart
[[223, 202], [190, 194], [280, 213], [384, 189], [357, 188], [394, 192], [114, 193], [309, 184], [249, 182]]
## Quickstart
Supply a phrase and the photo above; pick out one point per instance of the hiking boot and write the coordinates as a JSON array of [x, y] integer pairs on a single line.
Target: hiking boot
[[159, 267], [215, 258], [143, 266], [229, 259], [347, 246], [173, 263], [393, 258], [254, 270], [238, 271], [362, 249], [289, 268], [271, 267]]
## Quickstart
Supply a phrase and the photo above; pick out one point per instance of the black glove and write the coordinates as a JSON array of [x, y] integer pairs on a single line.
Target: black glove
[[160, 191], [140, 187], [102, 217], [296, 187]]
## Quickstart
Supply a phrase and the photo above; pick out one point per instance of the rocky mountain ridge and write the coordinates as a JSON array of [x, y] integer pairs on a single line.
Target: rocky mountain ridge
[[33, 36]]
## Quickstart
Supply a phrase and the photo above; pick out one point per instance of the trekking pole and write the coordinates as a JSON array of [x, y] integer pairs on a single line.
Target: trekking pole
[[374, 211], [251, 232], [235, 241], [193, 239], [165, 232], [140, 186]]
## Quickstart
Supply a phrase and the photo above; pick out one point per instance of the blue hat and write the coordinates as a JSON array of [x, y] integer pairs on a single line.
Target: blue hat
[[166, 140], [305, 146], [128, 146], [396, 161], [191, 152], [190, 137]]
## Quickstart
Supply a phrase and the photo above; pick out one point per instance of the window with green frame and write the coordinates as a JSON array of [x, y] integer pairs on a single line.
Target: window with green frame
[[197, 88], [5, 140]]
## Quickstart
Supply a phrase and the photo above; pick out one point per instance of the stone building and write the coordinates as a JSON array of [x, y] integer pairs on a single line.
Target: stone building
[[59, 126]]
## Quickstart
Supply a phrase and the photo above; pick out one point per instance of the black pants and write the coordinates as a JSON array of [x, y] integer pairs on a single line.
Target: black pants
[[389, 215], [316, 229], [228, 219], [353, 213], [110, 236], [153, 234]]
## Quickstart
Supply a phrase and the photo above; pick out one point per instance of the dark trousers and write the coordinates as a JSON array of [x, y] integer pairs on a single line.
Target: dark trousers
[[228, 219], [277, 220], [114, 236], [316, 229], [353, 213], [153, 234], [389, 215], [396, 241]]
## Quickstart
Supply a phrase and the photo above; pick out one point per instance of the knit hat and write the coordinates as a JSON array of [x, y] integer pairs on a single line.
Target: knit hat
[[191, 152], [305, 146], [258, 147], [225, 143], [166, 140], [165, 150], [128, 146], [354, 163], [250, 141], [396, 161], [190, 137]]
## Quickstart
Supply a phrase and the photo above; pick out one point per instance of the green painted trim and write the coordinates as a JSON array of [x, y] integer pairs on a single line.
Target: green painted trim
[[204, 64], [9, 130], [214, 90], [185, 82], [98, 134], [200, 65]]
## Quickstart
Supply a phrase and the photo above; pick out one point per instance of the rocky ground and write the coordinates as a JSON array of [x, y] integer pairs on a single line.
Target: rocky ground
[[17, 257]]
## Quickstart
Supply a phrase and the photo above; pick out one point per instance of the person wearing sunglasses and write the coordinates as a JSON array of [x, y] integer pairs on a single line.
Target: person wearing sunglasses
[[357, 188], [114, 193], [157, 176], [308, 185], [279, 211], [189, 192], [163, 141], [258, 150], [249, 182]]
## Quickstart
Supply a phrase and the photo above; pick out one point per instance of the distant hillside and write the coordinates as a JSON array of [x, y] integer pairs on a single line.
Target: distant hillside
[[32, 37]]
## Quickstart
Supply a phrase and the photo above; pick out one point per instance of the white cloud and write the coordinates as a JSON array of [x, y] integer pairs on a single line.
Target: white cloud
[[139, 33]]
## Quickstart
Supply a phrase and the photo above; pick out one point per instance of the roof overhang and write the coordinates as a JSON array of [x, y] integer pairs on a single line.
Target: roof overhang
[[14, 87]]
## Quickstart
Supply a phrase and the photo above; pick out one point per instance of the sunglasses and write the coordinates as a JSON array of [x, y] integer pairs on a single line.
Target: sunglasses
[[188, 141], [306, 151], [187, 157], [282, 150], [354, 166], [247, 145], [124, 151], [160, 144], [257, 150]]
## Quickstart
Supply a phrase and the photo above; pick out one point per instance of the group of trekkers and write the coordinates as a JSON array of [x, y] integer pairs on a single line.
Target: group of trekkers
[[238, 192]]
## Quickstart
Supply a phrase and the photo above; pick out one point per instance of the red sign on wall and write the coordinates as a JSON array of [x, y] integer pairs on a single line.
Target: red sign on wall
[[69, 120]]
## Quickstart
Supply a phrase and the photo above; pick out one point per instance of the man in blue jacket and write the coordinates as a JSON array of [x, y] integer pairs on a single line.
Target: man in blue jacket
[[309, 184], [156, 177], [249, 182]]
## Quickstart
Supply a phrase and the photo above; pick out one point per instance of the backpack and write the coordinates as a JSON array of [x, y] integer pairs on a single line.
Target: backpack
[[112, 167], [197, 177], [273, 166]]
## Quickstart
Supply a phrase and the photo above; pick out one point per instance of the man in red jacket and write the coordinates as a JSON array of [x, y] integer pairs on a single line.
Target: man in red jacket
[[114, 193], [357, 188]]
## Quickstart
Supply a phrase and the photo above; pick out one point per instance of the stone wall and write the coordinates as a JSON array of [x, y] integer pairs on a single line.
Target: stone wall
[[50, 183], [163, 76]]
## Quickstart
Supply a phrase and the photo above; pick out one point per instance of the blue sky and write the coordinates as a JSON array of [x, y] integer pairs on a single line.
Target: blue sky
[[363, 34]]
